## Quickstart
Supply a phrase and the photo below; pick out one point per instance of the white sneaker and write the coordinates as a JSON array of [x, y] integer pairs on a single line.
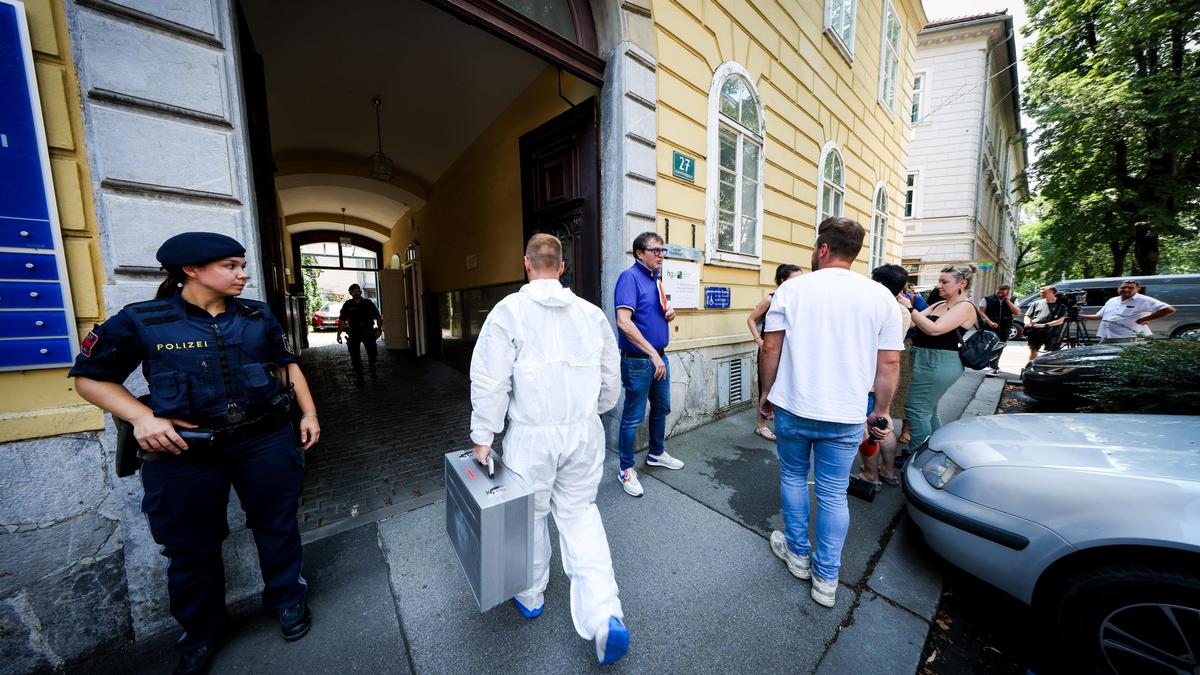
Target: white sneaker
[[664, 460], [824, 591], [799, 565], [629, 481]]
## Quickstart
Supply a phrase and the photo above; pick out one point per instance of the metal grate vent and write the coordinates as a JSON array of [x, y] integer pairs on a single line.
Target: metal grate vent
[[734, 377], [735, 382]]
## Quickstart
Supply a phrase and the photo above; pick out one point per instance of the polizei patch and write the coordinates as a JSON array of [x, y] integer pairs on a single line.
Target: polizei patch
[[89, 342]]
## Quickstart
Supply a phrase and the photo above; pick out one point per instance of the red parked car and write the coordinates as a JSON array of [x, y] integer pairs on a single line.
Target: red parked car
[[326, 317]]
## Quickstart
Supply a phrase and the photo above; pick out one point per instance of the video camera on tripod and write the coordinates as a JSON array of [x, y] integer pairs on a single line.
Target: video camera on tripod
[[1075, 333], [1073, 300]]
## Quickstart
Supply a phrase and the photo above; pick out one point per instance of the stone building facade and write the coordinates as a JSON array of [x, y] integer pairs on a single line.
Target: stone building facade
[[965, 179]]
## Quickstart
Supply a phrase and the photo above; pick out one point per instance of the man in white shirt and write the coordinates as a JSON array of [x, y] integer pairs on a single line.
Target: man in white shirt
[[547, 360], [1125, 317], [830, 336]]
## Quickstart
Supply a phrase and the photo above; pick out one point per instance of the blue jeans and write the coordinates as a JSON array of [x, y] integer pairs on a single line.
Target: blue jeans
[[637, 377], [833, 446]]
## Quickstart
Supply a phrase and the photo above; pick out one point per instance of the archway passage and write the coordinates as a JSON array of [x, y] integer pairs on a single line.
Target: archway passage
[[443, 181]]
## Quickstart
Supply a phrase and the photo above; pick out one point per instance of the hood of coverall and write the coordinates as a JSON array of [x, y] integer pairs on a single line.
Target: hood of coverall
[[548, 292]]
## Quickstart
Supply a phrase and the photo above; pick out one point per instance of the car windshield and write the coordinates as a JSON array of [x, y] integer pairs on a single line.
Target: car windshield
[[331, 308]]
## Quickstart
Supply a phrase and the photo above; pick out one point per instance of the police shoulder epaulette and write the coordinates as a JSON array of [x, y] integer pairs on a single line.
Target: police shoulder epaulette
[[251, 308], [147, 306]]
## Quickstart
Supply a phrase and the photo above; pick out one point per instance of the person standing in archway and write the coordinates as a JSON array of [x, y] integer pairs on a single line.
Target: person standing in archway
[[362, 323]]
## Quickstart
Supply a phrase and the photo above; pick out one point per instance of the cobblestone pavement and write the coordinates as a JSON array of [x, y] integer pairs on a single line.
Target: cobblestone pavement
[[382, 441]]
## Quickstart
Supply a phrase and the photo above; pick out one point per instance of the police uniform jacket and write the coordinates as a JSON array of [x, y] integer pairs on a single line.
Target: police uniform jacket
[[208, 370]]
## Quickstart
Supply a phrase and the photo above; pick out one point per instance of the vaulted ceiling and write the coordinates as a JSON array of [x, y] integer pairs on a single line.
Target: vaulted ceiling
[[442, 83]]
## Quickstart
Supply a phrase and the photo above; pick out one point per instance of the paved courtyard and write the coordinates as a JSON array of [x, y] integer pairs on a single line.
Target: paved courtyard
[[382, 441]]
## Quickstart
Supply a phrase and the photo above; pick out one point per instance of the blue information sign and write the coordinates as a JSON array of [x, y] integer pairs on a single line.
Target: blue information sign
[[716, 297], [35, 301]]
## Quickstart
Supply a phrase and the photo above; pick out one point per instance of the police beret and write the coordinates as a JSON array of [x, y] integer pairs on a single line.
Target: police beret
[[197, 248]]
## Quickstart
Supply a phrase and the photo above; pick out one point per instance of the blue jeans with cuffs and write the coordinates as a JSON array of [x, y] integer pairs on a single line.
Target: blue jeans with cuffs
[[637, 377]]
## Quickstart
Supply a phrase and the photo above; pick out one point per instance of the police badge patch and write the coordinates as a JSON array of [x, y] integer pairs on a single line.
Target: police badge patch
[[287, 346], [89, 341]]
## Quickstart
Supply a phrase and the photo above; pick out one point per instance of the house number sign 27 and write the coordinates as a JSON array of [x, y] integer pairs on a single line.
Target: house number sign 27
[[683, 167]]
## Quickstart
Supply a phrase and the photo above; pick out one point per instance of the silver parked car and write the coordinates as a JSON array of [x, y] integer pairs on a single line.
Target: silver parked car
[[1094, 520]]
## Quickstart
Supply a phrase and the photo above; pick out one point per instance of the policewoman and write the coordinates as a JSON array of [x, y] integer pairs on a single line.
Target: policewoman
[[214, 363]]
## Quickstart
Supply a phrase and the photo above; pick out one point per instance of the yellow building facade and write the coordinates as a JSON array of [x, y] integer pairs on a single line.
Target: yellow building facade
[[814, 96]]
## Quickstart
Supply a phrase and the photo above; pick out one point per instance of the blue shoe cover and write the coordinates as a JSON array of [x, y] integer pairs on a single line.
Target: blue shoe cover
[[615, 644], [526, 612]]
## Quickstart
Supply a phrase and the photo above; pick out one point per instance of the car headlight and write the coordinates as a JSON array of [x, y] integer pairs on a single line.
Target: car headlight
[[1055, 370], [939, 470]]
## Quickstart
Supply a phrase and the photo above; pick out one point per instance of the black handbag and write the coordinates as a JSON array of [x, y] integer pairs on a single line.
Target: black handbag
[[979, 347]]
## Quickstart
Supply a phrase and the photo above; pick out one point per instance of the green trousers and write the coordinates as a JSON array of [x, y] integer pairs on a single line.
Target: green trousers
[[933, 372]]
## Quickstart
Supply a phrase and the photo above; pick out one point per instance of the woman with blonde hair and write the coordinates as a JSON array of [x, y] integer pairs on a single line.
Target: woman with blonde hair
[[934, 353]]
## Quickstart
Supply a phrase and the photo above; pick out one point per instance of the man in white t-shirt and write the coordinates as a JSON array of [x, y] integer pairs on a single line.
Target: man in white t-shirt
[[1125, 317], [829, 337]]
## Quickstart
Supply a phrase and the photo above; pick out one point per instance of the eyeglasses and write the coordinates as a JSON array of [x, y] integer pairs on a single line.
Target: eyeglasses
[[656, 251]]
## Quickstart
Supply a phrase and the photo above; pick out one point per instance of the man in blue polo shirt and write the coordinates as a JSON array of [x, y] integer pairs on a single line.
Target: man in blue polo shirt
[[642, 317]]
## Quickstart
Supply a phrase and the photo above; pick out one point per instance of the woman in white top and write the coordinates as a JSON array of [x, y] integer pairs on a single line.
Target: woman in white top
[[755, 323], [934, 353]]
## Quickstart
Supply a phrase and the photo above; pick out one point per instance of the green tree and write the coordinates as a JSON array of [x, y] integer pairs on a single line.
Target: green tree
[[312, 291], [1115, 86]]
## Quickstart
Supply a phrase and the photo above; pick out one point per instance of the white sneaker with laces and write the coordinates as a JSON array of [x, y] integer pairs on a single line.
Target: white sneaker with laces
[[799, 565], [629, 481], [823, 591], [664, 460]]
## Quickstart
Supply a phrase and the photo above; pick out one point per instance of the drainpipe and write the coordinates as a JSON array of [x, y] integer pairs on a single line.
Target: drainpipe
[[987, 91]]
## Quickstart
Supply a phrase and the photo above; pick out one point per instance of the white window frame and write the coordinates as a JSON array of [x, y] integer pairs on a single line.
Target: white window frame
[[880, 222], [916, 190], [847, 50], [917, 109], [713, 168], [885, 59], [829, 147]]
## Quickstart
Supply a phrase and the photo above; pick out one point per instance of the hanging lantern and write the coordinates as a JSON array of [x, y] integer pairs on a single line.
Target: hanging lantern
[[379, 165]]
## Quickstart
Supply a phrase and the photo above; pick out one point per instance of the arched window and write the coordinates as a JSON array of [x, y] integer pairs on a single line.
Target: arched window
[[832, 193], [735, 169], [879, 227]]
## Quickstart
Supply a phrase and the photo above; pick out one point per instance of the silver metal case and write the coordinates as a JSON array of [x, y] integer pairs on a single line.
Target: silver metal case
[[490, 525]]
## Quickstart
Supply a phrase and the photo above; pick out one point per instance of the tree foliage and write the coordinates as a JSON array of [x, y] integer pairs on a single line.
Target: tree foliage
[[1161, 377], [312, 290], [1115, 88]]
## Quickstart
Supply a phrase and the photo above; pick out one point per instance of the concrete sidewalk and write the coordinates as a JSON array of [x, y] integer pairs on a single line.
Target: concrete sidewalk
[[701, 590]]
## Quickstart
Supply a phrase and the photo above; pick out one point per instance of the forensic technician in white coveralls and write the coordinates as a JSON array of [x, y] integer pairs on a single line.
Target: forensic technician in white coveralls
[[549, 360]]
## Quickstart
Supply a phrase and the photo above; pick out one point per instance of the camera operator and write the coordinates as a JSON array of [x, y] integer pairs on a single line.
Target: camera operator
[[1043, 318], [1125, 317], [999, 310]]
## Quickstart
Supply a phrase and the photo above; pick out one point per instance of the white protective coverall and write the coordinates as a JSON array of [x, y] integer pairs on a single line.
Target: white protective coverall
[[549, 359]]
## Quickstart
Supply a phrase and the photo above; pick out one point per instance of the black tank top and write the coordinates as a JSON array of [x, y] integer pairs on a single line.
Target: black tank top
[[948, 341], [762, 320]]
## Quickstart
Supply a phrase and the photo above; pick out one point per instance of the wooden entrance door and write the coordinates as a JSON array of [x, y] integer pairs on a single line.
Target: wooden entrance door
[[262, 160], [560, 193]]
